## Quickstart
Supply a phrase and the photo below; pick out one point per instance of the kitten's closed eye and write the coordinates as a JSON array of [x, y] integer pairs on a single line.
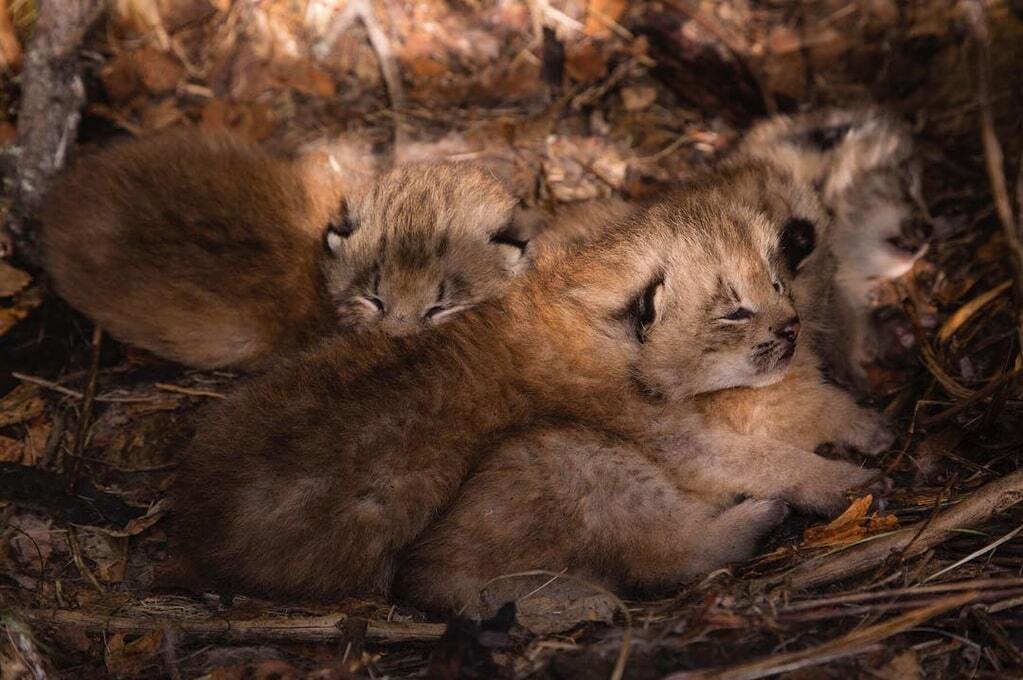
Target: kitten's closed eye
[[740, 314]]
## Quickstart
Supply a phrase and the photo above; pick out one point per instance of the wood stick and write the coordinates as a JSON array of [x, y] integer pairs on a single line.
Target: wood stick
[[976, 509], [51, 100], [325, 628]]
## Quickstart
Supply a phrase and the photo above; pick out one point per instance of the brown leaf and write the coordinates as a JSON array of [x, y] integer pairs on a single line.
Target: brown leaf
[[131, 654], [108, 553], [849, 527], [120, 79], [36, 437], [600, 13], [307, 78], [10, 47], [22, 403], [159, 72], [638, 97], [12, 280], [23, 304], [11, 450], [140, 524]]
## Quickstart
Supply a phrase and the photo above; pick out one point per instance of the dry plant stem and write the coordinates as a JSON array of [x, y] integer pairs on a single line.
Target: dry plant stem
[[856, 642], [976, 19], [381, 44], [998, 634], [51, 99], [85, 417], [980, 506], [326, 628]]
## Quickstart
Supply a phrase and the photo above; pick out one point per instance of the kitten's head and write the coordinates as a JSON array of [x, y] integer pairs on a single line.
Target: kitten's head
[[420, 245], [701, 301], [862, 162]]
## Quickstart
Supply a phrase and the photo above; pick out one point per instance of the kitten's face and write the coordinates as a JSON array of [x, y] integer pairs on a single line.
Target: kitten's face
[[715, 311], [878, 233], [424, 244]]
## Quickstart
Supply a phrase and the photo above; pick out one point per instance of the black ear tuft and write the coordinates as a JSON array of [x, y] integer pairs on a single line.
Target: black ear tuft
[[338, 230], [826, 138], [643, 310], [798, 239]]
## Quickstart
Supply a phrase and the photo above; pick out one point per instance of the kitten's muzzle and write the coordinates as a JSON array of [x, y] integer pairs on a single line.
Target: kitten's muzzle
[[789, 331]]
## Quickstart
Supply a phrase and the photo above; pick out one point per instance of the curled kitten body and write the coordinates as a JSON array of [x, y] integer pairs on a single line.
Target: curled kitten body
[[206, 250], [862, 163], [315, 478], [203, 249]]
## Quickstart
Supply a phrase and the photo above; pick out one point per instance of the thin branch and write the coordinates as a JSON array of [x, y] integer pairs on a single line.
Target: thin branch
[[980, 506], [326, 628]]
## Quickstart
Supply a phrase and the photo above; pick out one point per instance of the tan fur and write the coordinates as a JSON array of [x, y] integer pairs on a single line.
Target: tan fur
[[315, 478], [422, 248], [206, 250], [862, 163], [802, 409]]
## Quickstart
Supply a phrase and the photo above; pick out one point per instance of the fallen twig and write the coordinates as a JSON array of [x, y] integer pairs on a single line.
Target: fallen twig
[[326, 628], [976, 20], [980, 506]]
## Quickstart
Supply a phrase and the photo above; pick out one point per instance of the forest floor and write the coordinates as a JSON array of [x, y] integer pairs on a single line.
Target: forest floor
[[565, 101]]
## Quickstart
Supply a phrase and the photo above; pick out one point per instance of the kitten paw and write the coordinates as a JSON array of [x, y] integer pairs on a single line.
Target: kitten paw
[[829, 493], [869, 433]]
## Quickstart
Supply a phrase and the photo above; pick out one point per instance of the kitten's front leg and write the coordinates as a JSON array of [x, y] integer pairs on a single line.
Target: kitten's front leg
[[764, 468]]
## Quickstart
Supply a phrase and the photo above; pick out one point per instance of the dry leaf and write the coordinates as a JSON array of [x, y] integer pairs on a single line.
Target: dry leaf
[[108, 553], [639, 97], [12, 280], [600, 14], [11, 450], [31, 541], [159, 72], [849, 527], [36, 437], [130, 654], [24, 303], [140, 524], [22, 403], [10, 47]]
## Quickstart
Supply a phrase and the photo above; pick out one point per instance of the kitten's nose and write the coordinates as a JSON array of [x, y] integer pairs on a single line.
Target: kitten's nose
[[790, 331]]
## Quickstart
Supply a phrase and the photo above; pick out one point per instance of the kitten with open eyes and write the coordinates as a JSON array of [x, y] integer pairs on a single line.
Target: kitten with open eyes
[[207, 250]]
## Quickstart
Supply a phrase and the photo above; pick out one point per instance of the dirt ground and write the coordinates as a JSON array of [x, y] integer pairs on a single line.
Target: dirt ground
[[565, 100]]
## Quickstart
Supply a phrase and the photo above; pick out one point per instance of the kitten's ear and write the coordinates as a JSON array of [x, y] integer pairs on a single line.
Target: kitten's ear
[[646, 308], [798, 239], [338, 231], [514, 247]]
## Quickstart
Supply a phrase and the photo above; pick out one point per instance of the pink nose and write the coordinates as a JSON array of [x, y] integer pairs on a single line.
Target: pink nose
[[790, 331]]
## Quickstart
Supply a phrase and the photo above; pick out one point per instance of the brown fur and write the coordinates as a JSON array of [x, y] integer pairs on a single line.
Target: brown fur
[[422, 248], [862, 163], [202, 249], [314, 478], [802, 409], [207, 250]]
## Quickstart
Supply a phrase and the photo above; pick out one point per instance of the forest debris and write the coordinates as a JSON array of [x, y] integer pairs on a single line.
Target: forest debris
[[638, 97], [905, 666], [109, 554], [51, 98], [852, 525], [12, 280], [978, 507], [35, 488], [10, 46], [968, 310], [858, 641], [321, 628], [158, 71], [21, 306], [130, 655], [21, 404]]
